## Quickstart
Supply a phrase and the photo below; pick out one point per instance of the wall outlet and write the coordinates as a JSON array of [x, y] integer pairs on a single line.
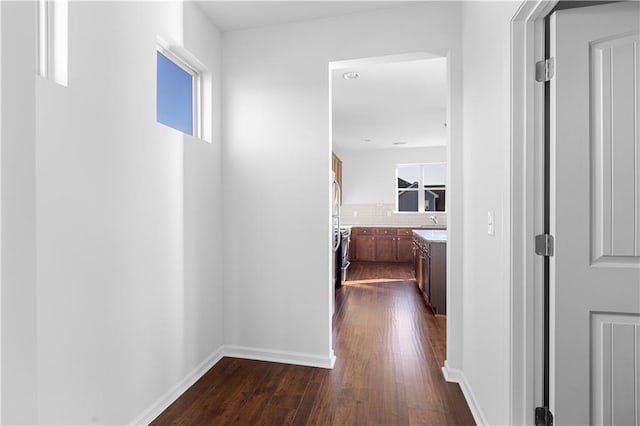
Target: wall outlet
[[389, 213]]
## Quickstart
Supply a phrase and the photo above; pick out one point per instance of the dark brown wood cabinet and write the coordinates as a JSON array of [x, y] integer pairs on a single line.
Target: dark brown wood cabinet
[[417, 263], [381, 245], [385, 248], [362, 247], [404, 249], [438, 277], [336, 167], [431, 273]]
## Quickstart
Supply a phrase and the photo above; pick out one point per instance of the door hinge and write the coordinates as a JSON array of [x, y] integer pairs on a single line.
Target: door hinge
[[544, 416], [544, 245], [545, 70]]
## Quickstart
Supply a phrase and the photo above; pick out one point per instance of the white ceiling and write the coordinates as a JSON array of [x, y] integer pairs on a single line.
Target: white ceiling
[[391, 102], [238, 15]]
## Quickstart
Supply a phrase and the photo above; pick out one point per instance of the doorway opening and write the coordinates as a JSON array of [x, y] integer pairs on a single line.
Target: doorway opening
[[390, 153]]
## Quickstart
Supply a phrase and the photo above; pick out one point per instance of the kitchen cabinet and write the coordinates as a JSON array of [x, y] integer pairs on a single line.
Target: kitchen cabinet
[[381, 244], [438, 277], [431, 272], [417, 264], [404, 249], [336, 166], [362, 247], [385, 248]]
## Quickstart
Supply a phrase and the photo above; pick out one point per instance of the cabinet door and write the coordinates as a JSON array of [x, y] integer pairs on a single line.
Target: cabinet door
[[336, 166], [426, 276], [417, 263], [385, 248], [364, 247], [404, 249], [438, 278]]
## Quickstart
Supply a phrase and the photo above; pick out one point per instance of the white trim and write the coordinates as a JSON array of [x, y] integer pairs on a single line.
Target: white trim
[[1, 149], [43, 38], [527, 133], [286, 357], [455, 375], [53, 40], [175, 392], [296, 358]]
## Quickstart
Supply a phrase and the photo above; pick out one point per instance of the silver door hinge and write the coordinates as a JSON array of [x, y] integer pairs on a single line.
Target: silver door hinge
[[544, 70], [544, 245]]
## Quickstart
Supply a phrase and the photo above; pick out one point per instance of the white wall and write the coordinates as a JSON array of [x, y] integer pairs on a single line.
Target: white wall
[[486, 293], [128, 299], [18, 250], [369, 177], [276, 157]]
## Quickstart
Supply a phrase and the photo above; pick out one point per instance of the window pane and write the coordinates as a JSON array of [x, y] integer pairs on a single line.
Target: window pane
[[434, 198], [408, 176], [429, 200], [174, 95], [408, 201], [434, 174]]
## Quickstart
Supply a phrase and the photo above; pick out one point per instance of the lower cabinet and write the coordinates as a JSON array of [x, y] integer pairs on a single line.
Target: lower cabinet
[[438, 278], [431, 273], [362, 248], [381, 245], [405, 249], [386, 249]]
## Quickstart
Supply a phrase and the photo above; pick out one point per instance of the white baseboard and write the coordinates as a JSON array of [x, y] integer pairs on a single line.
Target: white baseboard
[[174, 393], [296, 358], [455, 375]]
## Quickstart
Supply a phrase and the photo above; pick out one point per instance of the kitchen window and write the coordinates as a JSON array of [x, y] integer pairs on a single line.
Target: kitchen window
[[420, 188], [178, 102]]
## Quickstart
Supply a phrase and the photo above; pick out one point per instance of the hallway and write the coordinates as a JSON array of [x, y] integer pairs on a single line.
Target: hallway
[[389, 350]]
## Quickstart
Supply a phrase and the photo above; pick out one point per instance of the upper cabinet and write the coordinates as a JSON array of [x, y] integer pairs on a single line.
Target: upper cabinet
[[336, 167]]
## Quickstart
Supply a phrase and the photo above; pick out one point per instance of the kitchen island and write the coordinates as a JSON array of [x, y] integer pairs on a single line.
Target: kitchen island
[[430, 251]]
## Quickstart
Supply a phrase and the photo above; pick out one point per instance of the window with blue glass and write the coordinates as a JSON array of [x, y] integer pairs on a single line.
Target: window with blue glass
[[174, 95]]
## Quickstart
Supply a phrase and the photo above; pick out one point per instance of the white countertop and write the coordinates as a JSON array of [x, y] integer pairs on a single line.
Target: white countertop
[[431, 234], [438, 227]]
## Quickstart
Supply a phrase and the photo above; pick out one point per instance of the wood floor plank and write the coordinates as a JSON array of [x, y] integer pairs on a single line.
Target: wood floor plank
[[389, 349]]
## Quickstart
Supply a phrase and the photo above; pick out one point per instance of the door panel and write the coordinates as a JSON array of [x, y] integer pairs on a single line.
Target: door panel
[[385, 248], [616, 190], [616, 373], [404, 249], [594, 203], [364, 247]]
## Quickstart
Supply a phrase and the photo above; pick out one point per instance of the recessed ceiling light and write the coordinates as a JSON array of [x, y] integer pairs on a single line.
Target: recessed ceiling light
[[366, 140], [350, 75], [398, 143]]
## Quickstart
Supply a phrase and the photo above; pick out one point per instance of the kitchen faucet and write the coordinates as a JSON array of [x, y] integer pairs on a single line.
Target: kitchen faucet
[[434, 219]]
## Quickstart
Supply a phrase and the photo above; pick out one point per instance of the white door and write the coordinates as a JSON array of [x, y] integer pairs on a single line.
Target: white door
[[595, 215]]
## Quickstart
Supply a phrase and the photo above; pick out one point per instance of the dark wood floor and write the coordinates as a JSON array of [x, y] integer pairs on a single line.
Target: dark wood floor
[[389, 350]]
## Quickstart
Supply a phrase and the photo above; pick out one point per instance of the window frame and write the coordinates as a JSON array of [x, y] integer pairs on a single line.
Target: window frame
[[196, 89], [420, 189]]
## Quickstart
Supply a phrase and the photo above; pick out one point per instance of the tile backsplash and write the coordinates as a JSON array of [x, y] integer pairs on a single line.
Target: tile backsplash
[[384, 214]]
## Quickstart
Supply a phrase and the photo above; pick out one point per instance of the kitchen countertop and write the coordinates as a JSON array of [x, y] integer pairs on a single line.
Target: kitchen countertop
[[432, 235]]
